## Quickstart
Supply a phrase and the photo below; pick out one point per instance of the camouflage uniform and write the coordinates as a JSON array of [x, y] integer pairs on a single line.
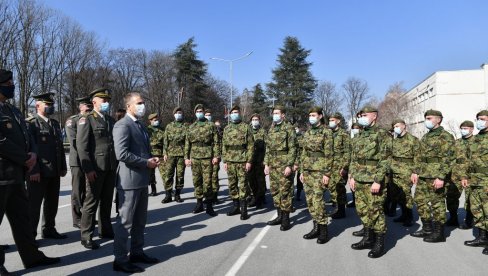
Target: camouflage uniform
[[156, 136], [216, 169], [257, 179], [173, 148], [299, 185], [342, 157]]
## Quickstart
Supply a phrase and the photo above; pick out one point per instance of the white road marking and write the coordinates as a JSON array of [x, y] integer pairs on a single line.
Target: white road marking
[[243, 258], [65, 205]]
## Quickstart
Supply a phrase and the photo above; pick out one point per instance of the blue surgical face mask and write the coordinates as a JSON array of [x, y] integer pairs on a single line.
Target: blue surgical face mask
[[398, 131], [49, 109], [104, 107], [235, 117], [200, 115], [363, 121], [429, 124], [332, 124], [276, 118], [209, 118], [465, 132], [8, 91], [178, 117], [480, 124], [313, 120]]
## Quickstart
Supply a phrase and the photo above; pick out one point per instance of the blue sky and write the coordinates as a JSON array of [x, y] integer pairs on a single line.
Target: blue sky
[[379, 41]]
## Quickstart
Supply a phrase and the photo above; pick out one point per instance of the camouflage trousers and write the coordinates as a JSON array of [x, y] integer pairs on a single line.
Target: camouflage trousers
[[453, 193], [426, 194], [168, 172], [401, 189], [202, 177], [215, 178], [281, 187], [238, 185], [369, 207], [337, 187], [479, 206], [314, 193], [152, 177], [257, 180]]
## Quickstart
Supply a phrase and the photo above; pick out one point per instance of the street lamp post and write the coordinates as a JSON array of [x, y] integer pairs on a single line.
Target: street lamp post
[[231, 67]]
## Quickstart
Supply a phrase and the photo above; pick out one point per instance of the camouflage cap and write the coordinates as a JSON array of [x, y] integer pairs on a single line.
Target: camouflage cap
[[176, 109], [152, 116], [103, 93], [198, 106], [467, 123], [482, 113], [368, 109], [5, 75], [45, 98], [235, 107], [84, 100], [280, 108], [355, 125], [256, 115], [398, 121], [432, 112], [208, 110], [337, 115], [315, 109]]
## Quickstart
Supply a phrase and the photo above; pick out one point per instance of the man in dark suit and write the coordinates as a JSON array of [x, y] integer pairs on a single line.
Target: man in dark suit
[[45, 177], [133, 151], [95, 147], [17, 158]]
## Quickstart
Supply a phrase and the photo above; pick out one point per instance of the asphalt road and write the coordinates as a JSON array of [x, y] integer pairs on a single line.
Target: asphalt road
[[189, 244]]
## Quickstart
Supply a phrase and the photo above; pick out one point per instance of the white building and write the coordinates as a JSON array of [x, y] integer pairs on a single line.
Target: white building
[[459, 95]]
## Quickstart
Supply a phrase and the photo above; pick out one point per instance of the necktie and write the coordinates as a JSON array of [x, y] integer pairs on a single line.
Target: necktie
[[142, 130]]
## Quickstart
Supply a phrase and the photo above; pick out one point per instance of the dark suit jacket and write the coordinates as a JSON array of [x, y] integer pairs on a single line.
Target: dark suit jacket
[[132, 150]]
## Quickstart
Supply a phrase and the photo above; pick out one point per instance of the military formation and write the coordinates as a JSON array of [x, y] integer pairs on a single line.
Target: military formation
[[383, 168]]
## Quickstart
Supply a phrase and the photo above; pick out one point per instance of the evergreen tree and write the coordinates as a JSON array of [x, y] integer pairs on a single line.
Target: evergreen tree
[[259, 103], [293, 84]]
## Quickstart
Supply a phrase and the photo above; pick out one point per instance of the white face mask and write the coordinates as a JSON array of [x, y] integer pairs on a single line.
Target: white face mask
[[480, 124], [140, 110], [363, 121], [398, 131], [155, 123], [332, 124], [355, 131], [276, 118], [209, 118], [429, 124], [178, 117], [255, 124]]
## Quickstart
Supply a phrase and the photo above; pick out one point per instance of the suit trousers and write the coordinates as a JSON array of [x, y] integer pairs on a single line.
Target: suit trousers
[[78, 183]]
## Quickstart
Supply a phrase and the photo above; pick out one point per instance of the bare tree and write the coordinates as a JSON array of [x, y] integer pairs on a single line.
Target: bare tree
[[392, 105], [327, 97], [356, 93]]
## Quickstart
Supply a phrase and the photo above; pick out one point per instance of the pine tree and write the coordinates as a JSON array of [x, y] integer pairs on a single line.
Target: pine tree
[[293, 83], [259, 104]]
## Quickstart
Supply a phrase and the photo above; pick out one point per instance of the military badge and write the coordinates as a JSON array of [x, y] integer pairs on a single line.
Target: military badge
[[68, 123], [82, 121], [9, 125]]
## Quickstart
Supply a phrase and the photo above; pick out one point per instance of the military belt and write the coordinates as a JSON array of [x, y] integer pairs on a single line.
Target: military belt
[[432, 159], [201, 144], [480, 170], [403, 159], [278, 152], [236, 147], [314, 154], [368, 162], [175, 143]]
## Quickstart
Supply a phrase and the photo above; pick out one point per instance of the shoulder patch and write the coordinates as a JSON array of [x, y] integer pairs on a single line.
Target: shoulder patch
[[82, 121], [69, 122]]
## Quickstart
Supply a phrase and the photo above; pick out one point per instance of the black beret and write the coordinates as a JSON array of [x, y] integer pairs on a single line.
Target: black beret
[[337, 115], [368, 109], [467, 123], [5, 75], [235, 107], [101, 93], [398, 121], [482, 113], [45, 97], [177, 109], [198, 106], [280, 108], [315, 109], [432, 112]]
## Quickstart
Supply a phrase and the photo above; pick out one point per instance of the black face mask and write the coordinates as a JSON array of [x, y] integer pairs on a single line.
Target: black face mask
[[49, 110], [8, 91]]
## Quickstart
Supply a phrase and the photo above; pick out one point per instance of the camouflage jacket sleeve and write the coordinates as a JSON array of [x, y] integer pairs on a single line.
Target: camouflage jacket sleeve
[[346, 155], [328, 152], [384, 156], [266, 154], [187, 149], [217, 152], [449, 155], [250, 144], [292, 146], [165, 140]]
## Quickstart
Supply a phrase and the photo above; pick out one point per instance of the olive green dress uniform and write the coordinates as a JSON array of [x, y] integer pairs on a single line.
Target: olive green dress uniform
[[15, 143], [95, 146], [257, 179], [156, 136], [342, 157], [51, 165]]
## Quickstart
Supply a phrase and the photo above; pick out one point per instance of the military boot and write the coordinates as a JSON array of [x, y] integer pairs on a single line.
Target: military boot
[[468, 221], [244, 215], [340, 212], [178, 196], [277, 220], [215, 199], [285, 221], [480, 241], [252, 201], [485, 251], [359, 233], [312, 234], [424, 231], [198, 207], [408, 222], [453, 218], [209, 208], [403, 215], [167, 198], [235, 208], [153, 190], [437, 235], [378, 247], [367, 241], [322, 237]]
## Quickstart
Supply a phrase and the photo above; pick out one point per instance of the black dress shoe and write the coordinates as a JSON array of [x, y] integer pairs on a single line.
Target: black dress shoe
[[4, 271], [127, 267], [44, 261], [53, 234], [90, 244], [143, 258], [108, 237]]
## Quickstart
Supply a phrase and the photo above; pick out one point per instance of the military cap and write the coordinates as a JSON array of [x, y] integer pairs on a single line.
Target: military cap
[[482, 113], [101, 93], [256, 115], [398, 121], [45, 97], [432, 112], [84, 100], [235, 107], [368, 109], [5, 75], [467, 123], [208, 110], [177, 109], [198, 106], [355, 125], [152, 116], [316, 109], [337, 115], [280, 108]]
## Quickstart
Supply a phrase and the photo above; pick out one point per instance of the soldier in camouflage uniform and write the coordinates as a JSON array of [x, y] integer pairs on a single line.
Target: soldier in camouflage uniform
[[475, 177], [173, 152], [434, 161], [355, 129], [77, 175], [237, 152], [156, 135], [257, 179], [299, 186], [342, 157], [278, 163], [370, 162], [455, 189], [316, 168], [405, 147], [216, 168], [202, 152]]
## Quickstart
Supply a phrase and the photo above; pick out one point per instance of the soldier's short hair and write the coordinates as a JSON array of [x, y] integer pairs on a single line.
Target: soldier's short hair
[[482, 113], [467, 123], [128, 97]]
